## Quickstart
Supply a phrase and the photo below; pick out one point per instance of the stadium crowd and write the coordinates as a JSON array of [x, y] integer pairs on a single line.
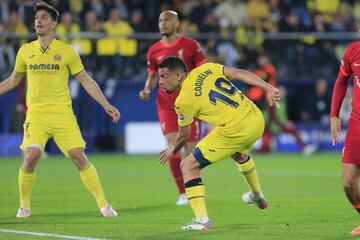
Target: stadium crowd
[[232, 32]]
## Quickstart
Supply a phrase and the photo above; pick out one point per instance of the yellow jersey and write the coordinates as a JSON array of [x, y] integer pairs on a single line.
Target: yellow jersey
[[47, 73], [208, 95]]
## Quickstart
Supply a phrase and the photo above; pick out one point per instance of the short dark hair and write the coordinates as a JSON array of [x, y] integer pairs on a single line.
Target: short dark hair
[[173, 64], [49, 8]]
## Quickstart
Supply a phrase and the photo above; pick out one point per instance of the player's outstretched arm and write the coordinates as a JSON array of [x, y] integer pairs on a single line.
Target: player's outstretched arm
[[180, 140], [149, 86], [94, 91], [273, 94], [11, 82]]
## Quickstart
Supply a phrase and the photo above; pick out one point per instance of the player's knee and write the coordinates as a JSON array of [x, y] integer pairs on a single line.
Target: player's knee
[[79, 158], [183, 165], [31, 156], [186, 165], [240, 157], [350, 186], [189, 164]]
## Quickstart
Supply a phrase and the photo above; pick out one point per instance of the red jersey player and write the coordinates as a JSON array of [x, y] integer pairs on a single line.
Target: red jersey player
[[188, 49], [350, 64]]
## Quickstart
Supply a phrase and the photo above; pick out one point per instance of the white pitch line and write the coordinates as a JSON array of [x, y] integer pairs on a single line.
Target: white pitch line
[[54, 235]]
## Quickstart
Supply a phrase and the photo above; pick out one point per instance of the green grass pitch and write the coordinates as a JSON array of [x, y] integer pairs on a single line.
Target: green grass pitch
[[305, 196]]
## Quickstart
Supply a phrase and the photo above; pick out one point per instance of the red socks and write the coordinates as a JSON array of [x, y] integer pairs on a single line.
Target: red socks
[[174, 164]]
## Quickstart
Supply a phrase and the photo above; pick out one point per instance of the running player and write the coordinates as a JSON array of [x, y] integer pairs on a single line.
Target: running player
[[207, 93]]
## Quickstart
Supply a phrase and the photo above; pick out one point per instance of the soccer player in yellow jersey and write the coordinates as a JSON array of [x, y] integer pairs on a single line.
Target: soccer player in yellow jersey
[[207, 94], [47, 63]]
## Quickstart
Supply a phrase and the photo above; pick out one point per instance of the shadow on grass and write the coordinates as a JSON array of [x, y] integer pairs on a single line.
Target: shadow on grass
[[66, 217], [147, 208]]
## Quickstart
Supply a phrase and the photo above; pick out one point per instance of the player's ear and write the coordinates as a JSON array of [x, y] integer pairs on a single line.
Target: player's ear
[[179, 77], [54, 23]]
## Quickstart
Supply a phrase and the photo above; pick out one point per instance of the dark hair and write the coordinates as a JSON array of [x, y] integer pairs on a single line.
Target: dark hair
[[49, 8], [173, 64]]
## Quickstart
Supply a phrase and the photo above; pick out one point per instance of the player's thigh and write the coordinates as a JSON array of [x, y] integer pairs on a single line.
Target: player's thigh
[[35, 133], [66, 133], [213, 148], [246, 132], [225, 141], [168, 121], [351, 150]]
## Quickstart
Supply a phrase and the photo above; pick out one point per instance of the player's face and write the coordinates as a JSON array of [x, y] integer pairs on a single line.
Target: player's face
[[168, 80], [167, 24], [43, 23]]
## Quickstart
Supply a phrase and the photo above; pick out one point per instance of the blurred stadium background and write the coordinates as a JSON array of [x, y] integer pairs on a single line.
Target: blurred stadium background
[[304, 39]]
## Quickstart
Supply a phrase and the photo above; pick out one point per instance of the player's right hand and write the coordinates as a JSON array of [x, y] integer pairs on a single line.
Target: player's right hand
[[273, 97], [165, 155], [335, 128], [113, 113], [144, 94]]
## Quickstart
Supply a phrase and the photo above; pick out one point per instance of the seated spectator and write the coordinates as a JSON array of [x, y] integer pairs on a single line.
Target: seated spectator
[[7, 52], [16, 25], [234, 11], [118, 48], [228, 53], [121, 7], [249, 39], [67, 27], [8, 47], [101, 8], [258, 10]]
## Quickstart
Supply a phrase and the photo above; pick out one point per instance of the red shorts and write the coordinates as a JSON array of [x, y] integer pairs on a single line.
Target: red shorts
[[351, 151], [169, 123]]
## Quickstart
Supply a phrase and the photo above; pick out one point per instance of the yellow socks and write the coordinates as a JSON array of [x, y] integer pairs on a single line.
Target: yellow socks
[[91, 181], [26, 183], [195, 192], [249, 173]]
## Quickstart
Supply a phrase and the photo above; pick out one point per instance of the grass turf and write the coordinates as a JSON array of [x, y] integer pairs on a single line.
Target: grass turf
[[305, 196]]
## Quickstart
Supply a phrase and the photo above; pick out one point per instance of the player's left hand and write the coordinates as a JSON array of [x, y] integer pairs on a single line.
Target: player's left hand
[[273, 97], [165, 155], [113, 112]]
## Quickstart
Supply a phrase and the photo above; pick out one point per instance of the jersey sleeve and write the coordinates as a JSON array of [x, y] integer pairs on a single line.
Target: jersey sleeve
[[185, 114], [75, 63], [198, 54], [345, 66], [151, 63], [20, 65]]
